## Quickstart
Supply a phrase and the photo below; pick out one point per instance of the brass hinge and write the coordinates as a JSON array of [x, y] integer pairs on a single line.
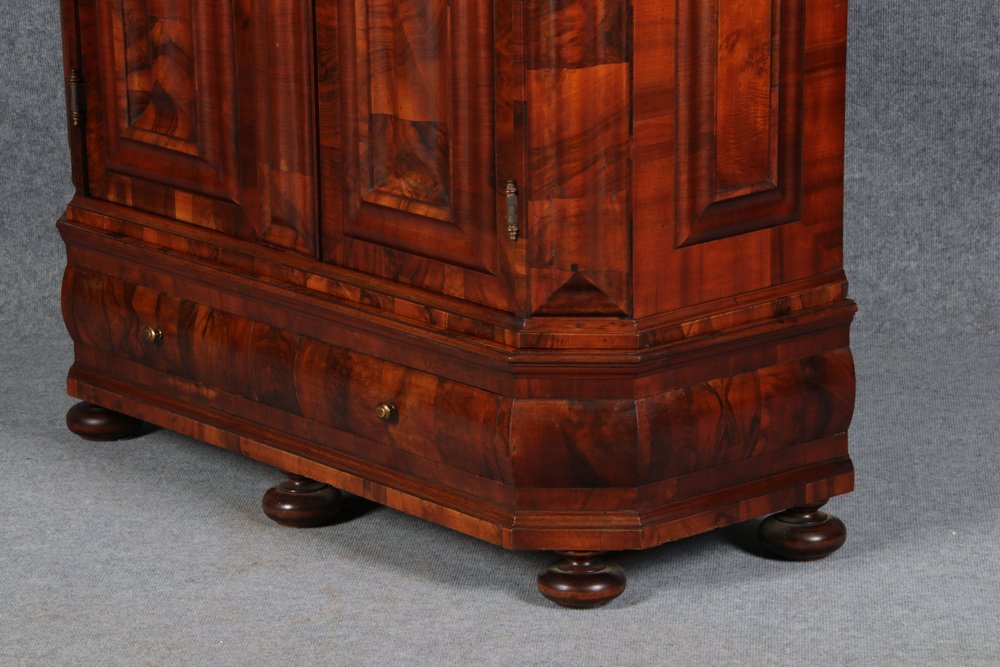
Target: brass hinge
[[75, 97], [510, 193]]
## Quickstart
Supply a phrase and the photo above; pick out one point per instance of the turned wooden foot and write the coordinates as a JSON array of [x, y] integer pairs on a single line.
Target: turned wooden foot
[[582, 580], [300, 502], [92, 422], [802, 533]]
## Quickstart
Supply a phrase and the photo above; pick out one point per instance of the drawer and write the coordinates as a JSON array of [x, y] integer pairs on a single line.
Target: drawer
[[171, 334], [252, 364]]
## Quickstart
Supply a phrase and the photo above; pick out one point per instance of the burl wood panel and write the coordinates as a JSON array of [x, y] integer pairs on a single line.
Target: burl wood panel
[[403, 121], [159, 71], [574, 443], [408, 152], [738, 147], [167, 88], [203, 112], [736, 418], [709, 424], [281, 198]]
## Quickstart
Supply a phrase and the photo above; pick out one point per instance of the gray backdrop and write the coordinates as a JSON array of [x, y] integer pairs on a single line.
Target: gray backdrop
[[154, 552]]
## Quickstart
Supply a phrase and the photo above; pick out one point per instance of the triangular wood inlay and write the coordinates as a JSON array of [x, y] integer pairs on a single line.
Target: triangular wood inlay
[[579, 296]]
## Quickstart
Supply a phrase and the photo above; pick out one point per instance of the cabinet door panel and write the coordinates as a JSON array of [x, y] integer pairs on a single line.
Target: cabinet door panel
[[403, 105], [193, 113], [738, 147], [740, 139], [408, 137], [167, 91]]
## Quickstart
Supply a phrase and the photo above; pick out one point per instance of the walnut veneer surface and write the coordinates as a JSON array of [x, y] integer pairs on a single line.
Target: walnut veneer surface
[[559, 275]]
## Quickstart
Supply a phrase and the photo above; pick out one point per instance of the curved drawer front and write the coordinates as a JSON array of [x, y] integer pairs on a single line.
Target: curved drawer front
[[312, 381]]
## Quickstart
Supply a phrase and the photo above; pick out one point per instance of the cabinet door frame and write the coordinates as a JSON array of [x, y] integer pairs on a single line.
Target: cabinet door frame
[[193, 113], [120, 58], [451, 236]]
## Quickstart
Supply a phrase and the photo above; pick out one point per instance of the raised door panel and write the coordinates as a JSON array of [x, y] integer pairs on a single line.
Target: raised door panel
[[201, 111], [408, 142], [739, 124], [737, 155]]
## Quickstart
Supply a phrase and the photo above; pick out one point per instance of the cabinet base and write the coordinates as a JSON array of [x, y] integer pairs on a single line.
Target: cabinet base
[[583, 579], [495, 516]]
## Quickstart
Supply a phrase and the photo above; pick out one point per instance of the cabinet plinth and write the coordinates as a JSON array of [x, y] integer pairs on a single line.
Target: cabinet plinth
[[562, 276]]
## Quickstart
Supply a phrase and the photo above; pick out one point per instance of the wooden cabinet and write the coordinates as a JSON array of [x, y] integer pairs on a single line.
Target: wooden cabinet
[[559, 275]]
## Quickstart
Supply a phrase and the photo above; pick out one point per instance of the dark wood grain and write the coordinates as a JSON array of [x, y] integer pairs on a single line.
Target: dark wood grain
[[183, 114], [577, 106], [761, 235], [739, 146], [577, 464], [404, 120], [159, 68], [744, 415], [408, 146]]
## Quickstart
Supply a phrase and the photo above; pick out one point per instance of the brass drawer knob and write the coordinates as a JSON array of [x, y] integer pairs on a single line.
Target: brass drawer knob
[[152, 335], [385, 411]]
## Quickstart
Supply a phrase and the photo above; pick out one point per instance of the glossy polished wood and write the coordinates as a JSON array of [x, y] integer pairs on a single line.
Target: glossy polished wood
[[299, 502], [581, 580], [184, 104], [92, 422], [306, 202], [407, 145], [802, 533], [763, 232]]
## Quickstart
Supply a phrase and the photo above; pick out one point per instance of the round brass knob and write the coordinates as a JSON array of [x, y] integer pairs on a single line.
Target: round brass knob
[[385, 411], [152, 335]]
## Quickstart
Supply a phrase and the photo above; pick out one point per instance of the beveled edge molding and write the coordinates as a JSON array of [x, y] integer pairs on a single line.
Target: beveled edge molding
[[105, 227]]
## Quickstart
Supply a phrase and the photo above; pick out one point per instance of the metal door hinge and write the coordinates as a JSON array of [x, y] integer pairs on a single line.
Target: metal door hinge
[[510, 193], [75, 97]]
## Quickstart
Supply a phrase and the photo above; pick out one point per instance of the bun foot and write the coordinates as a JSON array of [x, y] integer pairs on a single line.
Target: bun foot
[[802, 533], [581, 581], [300, 502], [92, 422]]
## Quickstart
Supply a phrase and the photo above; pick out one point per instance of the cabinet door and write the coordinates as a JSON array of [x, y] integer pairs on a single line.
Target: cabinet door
[[412, 188], [202, 111]]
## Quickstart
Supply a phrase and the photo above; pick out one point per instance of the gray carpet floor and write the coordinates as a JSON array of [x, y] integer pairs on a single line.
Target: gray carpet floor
[[154, 552]]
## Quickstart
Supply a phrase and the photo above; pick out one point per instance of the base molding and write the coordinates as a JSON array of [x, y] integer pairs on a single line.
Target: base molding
[[500, 523]]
